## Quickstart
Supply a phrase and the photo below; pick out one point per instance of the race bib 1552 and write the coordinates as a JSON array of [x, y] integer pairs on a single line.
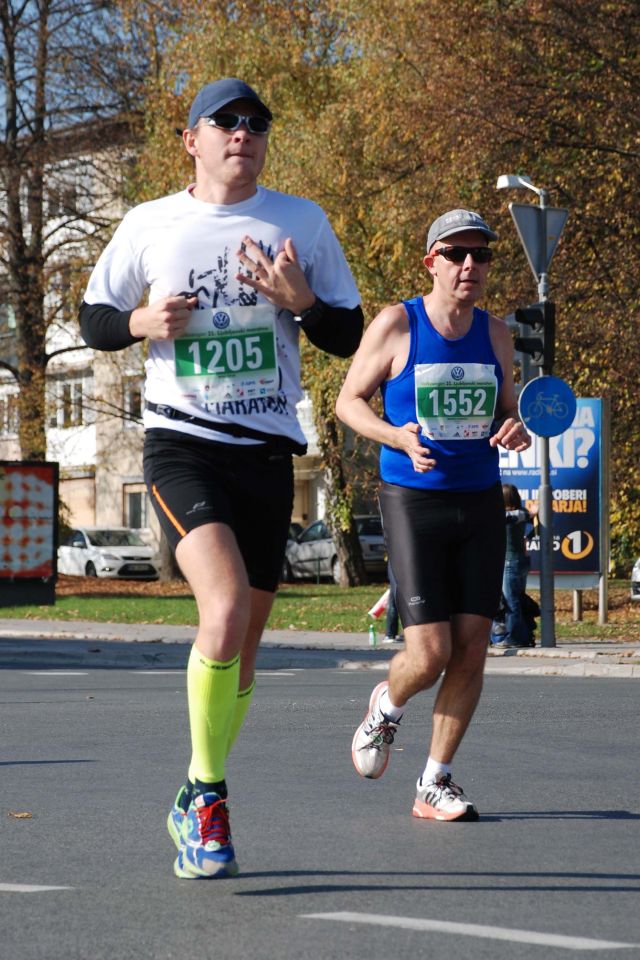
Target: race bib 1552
[[455, 401]]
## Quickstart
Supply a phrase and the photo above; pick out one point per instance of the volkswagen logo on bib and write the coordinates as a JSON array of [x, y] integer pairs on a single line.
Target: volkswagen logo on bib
[[221, 320], [457, 373]]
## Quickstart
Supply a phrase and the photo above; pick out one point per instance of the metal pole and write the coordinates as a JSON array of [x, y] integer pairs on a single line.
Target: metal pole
[[577, 605], [547, 603], [547, 606], [605, 531]]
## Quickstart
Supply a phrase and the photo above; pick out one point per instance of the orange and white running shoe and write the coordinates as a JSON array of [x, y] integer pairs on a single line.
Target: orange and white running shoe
[[442, 799], [373, 738]]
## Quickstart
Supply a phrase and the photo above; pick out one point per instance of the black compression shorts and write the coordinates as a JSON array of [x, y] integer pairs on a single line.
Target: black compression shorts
[[192, 482], [446, 550]]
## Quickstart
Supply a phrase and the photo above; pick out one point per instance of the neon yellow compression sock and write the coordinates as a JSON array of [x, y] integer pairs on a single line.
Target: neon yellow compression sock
[[243, 702], [212, 691]]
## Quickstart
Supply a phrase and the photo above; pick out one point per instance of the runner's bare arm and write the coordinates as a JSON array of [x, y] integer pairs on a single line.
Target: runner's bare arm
[[381, 355]]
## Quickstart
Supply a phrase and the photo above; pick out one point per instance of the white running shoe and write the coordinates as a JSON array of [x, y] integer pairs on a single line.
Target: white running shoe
[[373, 738], [442, 799]]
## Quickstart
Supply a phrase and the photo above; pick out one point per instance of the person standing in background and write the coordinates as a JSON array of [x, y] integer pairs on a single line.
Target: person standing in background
[[517, 563], [392, 617]]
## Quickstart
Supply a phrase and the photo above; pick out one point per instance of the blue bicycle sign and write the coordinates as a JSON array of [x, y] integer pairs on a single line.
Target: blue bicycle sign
[[547, 406], [551, 406]]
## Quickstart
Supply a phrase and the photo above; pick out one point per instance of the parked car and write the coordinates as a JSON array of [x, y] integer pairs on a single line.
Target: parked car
[[295, 529], [635, 580], [313, 554], [108, 552]]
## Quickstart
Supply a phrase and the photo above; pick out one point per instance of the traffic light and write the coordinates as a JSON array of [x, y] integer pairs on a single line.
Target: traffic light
[[538, 319]]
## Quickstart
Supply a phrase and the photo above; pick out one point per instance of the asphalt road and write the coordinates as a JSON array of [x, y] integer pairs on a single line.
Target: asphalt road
[[332, 866]]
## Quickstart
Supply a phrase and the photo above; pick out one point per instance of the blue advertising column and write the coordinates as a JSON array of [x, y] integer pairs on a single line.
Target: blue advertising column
[[579, 473]]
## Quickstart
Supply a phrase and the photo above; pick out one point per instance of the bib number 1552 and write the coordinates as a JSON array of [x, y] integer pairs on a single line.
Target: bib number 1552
[[456, 402]]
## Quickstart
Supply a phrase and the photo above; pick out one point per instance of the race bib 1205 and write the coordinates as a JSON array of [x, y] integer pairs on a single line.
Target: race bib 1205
[[228, 353]]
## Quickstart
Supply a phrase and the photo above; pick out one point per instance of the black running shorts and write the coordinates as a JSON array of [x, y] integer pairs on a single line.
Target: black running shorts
[[446, 550], [192, 482]]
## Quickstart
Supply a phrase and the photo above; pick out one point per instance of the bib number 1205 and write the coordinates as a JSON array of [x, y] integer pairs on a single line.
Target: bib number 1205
[[224, 355]]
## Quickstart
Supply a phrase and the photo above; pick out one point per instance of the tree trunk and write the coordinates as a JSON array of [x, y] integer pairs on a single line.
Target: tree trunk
[[169, 565], [338, 514], [31, 410]]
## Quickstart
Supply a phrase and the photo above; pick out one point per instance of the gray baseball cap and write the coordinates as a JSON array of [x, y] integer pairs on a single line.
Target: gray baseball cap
[[215, 96], [455, 221]]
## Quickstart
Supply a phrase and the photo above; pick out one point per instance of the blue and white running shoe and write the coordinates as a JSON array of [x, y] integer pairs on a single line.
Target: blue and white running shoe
[[206, 851]]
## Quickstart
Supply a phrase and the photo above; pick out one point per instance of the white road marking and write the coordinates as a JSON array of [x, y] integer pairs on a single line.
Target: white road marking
[[159, 672], [55, 673], [181, 673], [475, 930], [27, 888], [274, 673]]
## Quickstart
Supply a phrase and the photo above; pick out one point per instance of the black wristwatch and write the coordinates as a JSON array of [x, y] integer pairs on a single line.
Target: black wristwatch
[[312, 313]]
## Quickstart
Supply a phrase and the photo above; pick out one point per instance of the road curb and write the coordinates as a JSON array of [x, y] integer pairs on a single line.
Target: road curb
[[556, 669], [31, 645]]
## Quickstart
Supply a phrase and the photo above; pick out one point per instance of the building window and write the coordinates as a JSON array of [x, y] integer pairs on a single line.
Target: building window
[[62, 200], [63, 294], [136, 506], [52, 410], [70, 189], [7, 317], [72, 406], [132, 400], [9, 415], [66, 406]]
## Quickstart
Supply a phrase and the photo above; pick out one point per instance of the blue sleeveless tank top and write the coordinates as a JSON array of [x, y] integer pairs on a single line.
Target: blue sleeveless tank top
[[450, 387]]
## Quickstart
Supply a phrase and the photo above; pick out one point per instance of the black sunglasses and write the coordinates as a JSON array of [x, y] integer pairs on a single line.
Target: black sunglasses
[[460, 254], [231, 121]]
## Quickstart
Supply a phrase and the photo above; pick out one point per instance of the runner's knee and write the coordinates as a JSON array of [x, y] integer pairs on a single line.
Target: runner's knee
[[428, 660]]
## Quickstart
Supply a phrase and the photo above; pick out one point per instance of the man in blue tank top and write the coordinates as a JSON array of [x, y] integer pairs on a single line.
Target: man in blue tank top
[[445, 371]]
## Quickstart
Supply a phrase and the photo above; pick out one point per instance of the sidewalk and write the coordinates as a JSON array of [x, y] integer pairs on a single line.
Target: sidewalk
[[55, 643]]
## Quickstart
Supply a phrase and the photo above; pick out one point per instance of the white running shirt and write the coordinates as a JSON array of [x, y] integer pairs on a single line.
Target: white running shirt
[[238, 360]]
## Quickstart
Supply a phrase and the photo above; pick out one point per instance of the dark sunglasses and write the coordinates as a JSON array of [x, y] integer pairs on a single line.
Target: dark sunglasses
[[231, 121], [460, 254]]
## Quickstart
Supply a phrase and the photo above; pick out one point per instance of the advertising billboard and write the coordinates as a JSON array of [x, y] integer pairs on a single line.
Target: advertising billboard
[[578, 473], [28, 531]]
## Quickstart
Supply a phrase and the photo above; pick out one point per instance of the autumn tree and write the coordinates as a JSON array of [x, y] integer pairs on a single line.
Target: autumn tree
[[71, 76]]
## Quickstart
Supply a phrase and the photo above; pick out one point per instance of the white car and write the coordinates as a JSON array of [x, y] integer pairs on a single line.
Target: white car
[[108, 552], [635, 580]]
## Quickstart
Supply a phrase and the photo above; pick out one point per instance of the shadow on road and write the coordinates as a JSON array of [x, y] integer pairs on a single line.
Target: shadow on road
[[528, 881]]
